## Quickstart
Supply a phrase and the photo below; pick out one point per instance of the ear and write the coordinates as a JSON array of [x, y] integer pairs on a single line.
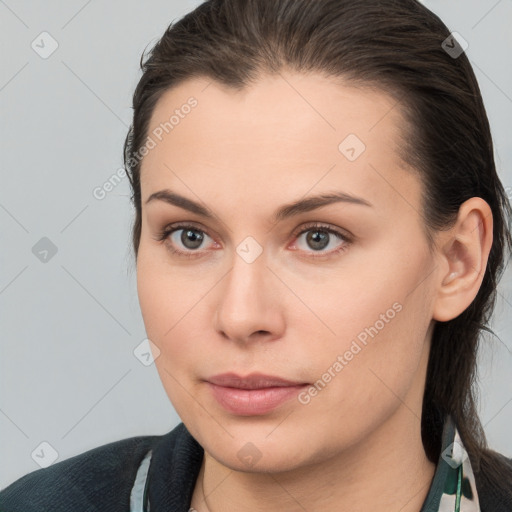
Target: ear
[[463, 252]]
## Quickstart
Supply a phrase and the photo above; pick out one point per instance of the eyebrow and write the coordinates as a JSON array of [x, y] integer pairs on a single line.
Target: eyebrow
[[288, 210]]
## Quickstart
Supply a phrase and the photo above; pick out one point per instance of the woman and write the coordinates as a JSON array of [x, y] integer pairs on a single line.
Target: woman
[[319, 233]]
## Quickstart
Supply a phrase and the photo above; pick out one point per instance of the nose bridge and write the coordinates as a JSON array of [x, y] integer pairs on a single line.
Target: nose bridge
[[246, 282], [248, 302]]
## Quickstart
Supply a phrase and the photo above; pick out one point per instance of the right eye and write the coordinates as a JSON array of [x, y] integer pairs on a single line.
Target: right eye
[[188, 236]]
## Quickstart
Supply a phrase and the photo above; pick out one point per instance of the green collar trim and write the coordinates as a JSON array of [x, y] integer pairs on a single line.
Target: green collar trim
[[453, 487]]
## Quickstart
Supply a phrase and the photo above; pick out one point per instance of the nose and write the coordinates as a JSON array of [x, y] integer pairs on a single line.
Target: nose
[[250, 303]]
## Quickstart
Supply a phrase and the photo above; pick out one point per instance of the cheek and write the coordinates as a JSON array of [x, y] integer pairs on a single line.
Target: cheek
[[383, 297], [165, 295], [164, 309], [153, 301], [170, 303], [374, 330]]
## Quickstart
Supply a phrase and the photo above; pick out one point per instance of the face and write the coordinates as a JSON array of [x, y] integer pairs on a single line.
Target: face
[[335, 295]]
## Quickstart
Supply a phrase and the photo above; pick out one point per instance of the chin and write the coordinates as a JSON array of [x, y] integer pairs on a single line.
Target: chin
[[270, 463]]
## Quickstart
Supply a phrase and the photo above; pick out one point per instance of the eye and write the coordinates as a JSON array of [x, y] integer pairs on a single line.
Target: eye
[[319, 237], [184, 235]]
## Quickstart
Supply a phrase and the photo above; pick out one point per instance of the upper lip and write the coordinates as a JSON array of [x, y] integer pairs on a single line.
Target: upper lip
[[252, 381]]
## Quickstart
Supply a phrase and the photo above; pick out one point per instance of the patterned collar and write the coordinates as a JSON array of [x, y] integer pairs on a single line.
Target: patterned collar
[[453, 487]]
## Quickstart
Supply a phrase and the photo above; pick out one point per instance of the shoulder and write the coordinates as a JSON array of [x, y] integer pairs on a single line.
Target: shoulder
[[493, 476], [98, 479]]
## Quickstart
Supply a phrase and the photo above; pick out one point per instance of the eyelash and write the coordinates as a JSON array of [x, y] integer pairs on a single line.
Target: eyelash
[[163, 235]]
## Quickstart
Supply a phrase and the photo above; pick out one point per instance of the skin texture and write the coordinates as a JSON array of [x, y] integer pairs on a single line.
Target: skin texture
[[356, 445]]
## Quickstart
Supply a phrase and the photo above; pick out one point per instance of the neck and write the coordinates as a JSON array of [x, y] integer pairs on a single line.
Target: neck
[[389, 470]]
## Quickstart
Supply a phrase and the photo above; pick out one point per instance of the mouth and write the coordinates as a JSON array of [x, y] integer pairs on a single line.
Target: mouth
[[255, 394]]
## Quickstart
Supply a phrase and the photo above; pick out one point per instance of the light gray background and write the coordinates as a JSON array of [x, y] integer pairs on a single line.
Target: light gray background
[[69, 326]]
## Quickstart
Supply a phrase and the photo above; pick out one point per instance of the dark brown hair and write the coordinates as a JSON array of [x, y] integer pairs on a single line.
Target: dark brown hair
[[394, 46]]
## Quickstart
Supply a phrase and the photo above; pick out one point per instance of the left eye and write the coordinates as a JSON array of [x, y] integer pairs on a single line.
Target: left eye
[[319, 238]]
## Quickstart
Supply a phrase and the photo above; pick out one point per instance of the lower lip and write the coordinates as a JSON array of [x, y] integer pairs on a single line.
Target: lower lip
[[251, 402]]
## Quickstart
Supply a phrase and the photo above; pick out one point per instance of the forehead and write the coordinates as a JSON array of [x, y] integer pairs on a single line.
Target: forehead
[[289, 131]]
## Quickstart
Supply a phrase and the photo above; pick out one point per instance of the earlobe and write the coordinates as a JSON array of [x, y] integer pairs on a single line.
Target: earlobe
[[463, 255]]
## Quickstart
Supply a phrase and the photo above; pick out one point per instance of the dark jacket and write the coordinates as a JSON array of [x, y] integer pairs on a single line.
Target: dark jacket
[[106, 479]]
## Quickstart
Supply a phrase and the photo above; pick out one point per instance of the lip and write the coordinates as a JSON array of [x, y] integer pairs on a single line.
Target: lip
[[252, 381], [253, 395]]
